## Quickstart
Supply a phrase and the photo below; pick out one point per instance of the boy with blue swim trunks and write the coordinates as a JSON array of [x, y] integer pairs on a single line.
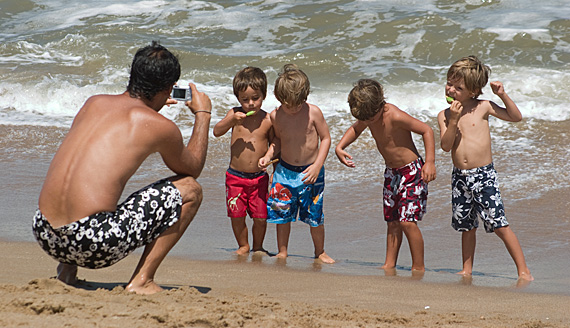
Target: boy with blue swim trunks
[[303, 138], [465, 131], [246, 183], [405, 177]]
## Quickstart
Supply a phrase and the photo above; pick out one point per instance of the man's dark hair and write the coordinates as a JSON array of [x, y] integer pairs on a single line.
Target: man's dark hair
[[154, 69]]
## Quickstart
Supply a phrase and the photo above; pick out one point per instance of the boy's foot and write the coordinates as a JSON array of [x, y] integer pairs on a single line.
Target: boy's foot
[[244, 250], [67, 273], [281, 255], [261, 251], [464, 273], [526, 276], [325, 258]]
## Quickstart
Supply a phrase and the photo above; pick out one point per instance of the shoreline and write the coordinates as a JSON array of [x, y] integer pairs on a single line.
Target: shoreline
[[233, 293]]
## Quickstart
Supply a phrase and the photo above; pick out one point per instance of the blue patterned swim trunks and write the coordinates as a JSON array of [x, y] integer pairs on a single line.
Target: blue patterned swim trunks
[[475, 194], [105, 238], [289, 195]]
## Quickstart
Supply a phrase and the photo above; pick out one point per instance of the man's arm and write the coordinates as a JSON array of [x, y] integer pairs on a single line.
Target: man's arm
[[190, 160]]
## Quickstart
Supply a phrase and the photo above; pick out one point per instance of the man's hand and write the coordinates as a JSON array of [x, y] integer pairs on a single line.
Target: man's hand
[[200, 101]]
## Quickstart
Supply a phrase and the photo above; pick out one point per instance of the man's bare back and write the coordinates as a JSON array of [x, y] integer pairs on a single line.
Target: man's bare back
[[109, 139]]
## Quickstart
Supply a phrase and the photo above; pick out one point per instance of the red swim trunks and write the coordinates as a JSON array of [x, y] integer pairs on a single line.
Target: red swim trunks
[[246, 192], [405, 193]]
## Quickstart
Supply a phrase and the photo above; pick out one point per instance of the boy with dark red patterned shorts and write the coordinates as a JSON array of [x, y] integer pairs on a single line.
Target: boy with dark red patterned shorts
[[406, 176]]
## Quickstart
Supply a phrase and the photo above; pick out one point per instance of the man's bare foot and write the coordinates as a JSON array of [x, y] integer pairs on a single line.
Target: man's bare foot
[[148, 288], [325, 258], [243, 250], [67, 273]]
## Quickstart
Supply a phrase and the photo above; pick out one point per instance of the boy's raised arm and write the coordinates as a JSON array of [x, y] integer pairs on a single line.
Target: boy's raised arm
[[511, 112]]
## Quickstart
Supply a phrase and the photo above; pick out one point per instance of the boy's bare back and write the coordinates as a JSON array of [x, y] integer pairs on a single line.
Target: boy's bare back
[[391, 128]]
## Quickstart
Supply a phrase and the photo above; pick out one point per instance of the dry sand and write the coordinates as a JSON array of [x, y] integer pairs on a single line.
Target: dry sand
[[251, 293]]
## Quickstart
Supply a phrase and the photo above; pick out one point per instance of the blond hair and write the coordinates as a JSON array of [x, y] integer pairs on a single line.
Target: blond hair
[[366, 99], [473, 72], [292, 86], [252, 77]]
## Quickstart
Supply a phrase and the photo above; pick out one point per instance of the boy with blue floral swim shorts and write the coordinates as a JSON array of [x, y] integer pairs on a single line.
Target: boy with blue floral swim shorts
[[246, 184], [464, 129], [405, 177], [303, 140]]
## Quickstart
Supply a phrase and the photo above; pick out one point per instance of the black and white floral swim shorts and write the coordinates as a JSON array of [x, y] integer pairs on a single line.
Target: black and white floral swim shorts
[[105, 238]]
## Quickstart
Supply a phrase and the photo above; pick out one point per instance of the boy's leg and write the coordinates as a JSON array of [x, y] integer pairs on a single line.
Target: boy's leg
[[468, 242], [283, 232], [239, 228], [142, 281], [318, 236], [258, 232], [416, 243], [393, 243], [513, 246]]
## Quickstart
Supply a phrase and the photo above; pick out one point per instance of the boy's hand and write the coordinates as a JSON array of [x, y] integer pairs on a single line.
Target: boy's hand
[[238, 117], [311, 174], [497, 88], [263, 163], [428, 172], [455, 110], [344, 157]]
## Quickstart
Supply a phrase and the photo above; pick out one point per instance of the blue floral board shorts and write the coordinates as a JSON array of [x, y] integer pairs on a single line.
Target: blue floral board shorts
[[475, 194], [289, 196], [103, 239]]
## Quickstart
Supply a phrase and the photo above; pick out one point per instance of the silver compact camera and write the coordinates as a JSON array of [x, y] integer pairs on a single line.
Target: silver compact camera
[[181, 93]]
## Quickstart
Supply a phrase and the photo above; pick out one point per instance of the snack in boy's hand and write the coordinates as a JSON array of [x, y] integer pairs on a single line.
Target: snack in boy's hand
[[449, 99], [251, 112]]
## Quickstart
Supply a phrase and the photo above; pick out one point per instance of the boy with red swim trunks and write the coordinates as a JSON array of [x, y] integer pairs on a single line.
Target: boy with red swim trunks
[[406, 176], [246, 183]]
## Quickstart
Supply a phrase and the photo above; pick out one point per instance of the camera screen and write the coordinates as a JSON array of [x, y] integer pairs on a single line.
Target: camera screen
[[179, 93]]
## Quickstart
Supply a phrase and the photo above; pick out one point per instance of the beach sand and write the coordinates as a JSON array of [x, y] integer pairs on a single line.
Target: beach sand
[[249, 293]]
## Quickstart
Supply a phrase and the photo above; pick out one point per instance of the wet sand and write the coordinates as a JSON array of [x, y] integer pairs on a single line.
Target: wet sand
[[251, 294]]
